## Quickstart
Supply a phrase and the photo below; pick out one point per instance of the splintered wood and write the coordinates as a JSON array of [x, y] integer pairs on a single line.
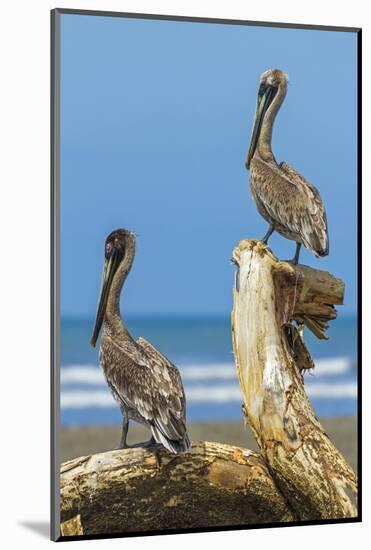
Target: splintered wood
[[270, 355]]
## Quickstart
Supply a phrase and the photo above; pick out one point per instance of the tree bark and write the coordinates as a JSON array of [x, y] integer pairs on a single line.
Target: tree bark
[[270, 355], [136, 490]]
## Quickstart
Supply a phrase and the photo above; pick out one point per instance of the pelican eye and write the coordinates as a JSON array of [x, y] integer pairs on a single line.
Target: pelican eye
[[265, 87], [108, 250], [262, 88]]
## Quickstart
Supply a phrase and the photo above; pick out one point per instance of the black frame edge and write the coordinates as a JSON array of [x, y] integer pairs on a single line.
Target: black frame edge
[[54, 275], [210, 529], [196, 19], [359, 270]]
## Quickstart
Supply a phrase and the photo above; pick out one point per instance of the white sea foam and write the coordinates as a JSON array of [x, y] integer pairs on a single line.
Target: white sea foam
[[91, 375], [77, 399], [332, 365], [201, 382], [85, 399], [82, 374]]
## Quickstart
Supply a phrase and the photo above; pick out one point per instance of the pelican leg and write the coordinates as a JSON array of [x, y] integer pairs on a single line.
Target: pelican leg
[[125, 427], [295, 259], [124, 445], [268, 234]]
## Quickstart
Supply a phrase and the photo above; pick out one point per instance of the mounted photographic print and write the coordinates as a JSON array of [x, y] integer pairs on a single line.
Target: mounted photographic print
[[205, 189]]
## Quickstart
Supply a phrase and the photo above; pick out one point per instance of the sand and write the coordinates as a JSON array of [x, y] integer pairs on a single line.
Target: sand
[[80, 441]]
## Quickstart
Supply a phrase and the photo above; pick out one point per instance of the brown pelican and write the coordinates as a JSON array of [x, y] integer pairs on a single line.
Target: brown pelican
[[147, 386], [287, 201]]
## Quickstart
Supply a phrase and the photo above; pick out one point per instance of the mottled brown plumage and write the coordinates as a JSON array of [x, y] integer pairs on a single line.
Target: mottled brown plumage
[[146, 385], [285, 199]]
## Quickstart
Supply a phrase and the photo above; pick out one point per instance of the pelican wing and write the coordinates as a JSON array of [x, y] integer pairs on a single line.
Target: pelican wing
[[148, 383], [313, 229], [294, 203], [168, 403]]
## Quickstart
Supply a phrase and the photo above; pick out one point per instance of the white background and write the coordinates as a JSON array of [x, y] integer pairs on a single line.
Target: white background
[[24, 272]]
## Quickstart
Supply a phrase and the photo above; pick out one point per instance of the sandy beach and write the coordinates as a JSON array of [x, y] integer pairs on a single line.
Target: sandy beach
[[79, 441]]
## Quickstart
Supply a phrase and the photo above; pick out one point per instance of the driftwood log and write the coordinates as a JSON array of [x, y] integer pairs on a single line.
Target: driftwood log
[[298, 475], [270, 355], [138, 490]]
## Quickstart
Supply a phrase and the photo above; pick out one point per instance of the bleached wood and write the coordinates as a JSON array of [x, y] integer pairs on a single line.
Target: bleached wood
[[136, 490], [309, 470]]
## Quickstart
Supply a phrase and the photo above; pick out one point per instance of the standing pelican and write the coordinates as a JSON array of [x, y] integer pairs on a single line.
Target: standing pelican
[[287, 201], [146, 385]]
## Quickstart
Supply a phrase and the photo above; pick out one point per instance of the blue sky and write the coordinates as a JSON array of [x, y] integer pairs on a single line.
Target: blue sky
[[155, 124]]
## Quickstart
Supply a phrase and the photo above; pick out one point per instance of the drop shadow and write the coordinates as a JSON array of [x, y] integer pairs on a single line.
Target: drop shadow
[[42, 528]]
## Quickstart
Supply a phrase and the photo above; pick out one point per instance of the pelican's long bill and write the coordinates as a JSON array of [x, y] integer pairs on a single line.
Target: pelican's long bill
[[265, 98], [109, 270]]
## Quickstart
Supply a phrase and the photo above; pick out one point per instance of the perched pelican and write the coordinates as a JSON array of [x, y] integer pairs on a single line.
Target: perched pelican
[[287, 201], [147, 386]]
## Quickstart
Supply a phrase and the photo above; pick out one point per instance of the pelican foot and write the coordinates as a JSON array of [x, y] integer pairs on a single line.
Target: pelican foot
[[150, 444], [121, 447], [143, 445], [293, 261]]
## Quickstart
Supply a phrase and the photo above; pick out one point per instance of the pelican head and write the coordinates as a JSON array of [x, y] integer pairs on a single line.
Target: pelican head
[[115, 250], [271, 82]]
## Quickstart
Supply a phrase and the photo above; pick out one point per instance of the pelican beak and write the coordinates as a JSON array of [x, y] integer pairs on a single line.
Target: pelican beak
[[109, 269], [265, 98]]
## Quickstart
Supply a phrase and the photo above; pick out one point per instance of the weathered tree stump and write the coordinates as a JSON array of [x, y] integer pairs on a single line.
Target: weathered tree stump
[[270, 355], [136, 490]]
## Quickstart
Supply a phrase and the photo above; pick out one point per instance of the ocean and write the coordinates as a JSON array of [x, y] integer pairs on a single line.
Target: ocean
[[202, 350]]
